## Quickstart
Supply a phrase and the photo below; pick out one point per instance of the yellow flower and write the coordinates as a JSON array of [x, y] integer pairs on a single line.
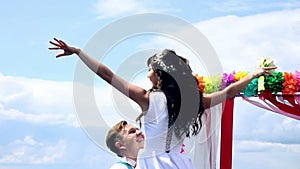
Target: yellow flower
[[240, 75]]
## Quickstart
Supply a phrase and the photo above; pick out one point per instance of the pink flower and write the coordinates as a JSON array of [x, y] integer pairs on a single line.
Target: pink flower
[[228, 79], [297, 78]]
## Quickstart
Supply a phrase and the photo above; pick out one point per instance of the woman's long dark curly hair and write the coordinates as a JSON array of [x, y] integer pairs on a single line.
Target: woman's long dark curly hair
[[184, 100]]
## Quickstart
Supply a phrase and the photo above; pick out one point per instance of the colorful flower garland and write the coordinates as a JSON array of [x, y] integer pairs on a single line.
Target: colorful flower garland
[[284, 82], [280, 82]]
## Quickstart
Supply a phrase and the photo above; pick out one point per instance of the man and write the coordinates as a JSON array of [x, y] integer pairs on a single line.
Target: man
[[125, 140]]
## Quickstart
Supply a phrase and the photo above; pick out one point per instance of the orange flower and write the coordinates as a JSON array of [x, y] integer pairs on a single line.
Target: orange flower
[[201, 82], [290, 84]]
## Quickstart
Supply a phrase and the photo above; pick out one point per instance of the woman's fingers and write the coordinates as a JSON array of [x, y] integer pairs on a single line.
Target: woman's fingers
[[59, 42], [54, 48], [62, 43], [53, 43], [59, 55], [270, 68]]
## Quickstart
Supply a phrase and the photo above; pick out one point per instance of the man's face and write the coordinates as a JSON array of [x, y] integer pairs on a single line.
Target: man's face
[[133, 138]]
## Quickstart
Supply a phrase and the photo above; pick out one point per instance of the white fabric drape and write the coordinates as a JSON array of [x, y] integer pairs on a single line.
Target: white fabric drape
[[203, 148]]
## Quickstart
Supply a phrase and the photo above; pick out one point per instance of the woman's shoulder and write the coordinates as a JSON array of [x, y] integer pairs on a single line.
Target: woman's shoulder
[[157, 96], [156, 92]]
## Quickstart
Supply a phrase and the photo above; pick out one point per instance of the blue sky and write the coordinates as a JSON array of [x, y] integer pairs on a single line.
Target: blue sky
[[38, 120]]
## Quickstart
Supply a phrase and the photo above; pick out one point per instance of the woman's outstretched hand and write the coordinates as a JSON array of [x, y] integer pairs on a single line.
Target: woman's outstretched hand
[[61, 45], [264, 71]]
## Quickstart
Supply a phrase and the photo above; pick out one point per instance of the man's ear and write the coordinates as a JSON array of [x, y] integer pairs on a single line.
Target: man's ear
[[120, 146]]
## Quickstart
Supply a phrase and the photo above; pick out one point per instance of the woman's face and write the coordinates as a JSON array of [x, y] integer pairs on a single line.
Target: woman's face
[[153, 77]]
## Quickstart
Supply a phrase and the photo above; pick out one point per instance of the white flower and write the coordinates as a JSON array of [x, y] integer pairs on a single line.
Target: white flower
[[265, 62]]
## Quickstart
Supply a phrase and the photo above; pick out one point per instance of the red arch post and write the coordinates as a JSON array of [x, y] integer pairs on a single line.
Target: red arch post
[[227, 135]]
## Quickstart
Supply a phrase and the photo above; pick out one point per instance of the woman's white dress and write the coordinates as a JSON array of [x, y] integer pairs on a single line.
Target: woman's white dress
[[156, 126]]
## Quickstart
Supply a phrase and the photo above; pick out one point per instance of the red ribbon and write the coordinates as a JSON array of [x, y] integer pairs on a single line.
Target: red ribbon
[[292, 108]]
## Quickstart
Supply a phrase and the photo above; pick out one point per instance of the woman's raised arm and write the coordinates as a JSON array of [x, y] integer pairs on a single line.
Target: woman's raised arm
[[136, 93], [215, 98]]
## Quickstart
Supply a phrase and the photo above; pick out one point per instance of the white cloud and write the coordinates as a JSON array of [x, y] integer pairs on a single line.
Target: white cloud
[[256, 124], [50, 102], [236, 5], [255, 154], [241, 40], [231, 5], [257, 146], [113, 8], [120, 8], [36, 101], [30, 151]]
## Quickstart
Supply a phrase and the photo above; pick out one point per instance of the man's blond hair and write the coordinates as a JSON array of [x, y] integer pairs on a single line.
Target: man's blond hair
[[114, 135]]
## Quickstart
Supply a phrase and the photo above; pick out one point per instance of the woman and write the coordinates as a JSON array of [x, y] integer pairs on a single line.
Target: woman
[[172, 108]]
